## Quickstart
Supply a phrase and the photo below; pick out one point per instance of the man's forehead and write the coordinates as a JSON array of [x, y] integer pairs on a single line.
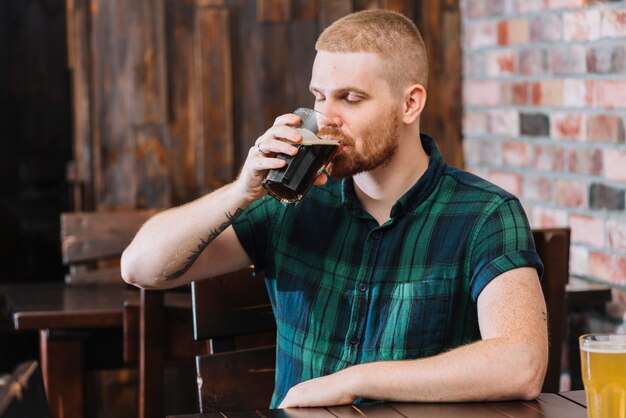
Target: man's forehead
[[343, 70]]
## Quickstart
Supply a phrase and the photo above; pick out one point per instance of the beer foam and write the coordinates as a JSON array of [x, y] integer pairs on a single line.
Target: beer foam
[[309, 138], [611, 349]]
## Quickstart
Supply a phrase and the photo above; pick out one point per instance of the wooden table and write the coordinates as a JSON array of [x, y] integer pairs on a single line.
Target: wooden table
[[548, 405], [59, 311], [64, 314]]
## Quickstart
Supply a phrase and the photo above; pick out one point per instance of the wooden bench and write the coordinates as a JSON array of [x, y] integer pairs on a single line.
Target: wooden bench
[[92, 243]]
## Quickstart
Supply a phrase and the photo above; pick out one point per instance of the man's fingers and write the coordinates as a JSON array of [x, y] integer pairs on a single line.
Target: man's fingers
[[288, 119], [259, 164]]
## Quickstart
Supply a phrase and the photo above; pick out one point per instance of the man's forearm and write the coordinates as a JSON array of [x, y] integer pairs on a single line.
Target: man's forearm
[[167, 246], [486, 370]]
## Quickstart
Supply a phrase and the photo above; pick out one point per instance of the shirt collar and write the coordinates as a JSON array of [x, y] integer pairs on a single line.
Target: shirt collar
[[417, 194]]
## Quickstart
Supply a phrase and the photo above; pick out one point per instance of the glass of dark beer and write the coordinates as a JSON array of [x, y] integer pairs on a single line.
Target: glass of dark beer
[[290, 183]]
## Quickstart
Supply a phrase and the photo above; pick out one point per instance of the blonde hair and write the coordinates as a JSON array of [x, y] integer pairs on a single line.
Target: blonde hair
[[389, 34]]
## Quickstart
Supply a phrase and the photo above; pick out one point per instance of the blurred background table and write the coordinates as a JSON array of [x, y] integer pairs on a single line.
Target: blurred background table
[[62, 314]]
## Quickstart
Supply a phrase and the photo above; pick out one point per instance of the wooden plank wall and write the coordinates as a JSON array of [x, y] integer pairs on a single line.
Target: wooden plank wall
[[169, 95]]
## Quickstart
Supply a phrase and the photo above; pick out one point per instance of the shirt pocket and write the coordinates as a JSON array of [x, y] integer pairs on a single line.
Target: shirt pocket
[[415, 319]]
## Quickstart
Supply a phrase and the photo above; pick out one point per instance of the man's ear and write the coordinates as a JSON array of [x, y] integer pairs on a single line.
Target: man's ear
[[414, 102]]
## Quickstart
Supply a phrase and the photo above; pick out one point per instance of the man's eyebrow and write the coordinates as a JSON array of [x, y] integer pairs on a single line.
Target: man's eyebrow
[[339, 92]]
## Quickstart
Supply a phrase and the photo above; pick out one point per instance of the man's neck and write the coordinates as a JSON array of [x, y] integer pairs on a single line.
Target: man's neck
[[379, 189]]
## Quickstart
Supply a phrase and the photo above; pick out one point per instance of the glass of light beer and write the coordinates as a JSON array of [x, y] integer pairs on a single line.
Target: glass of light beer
[[290, 183], [603, 361]]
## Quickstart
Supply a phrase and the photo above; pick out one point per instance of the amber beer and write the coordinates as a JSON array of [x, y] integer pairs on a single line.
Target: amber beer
[[603, 361], [290, 183]]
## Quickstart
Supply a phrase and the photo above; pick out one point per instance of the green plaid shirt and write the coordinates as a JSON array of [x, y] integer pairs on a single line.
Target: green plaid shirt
[[345, 290]]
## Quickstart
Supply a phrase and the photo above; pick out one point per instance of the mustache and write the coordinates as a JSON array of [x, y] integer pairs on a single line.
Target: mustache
[[335, 133]]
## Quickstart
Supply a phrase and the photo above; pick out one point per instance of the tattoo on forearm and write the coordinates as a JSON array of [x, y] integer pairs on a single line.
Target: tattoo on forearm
[[230, 218]]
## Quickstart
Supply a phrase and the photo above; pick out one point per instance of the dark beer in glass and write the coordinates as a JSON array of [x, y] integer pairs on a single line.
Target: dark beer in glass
[[290, 183]]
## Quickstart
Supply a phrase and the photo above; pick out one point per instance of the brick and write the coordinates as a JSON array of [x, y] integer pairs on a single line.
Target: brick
[[611, 94], [547, 93], [483, 153], [548, 158], [616, 234], [534, 124], [578, 92], [485, 93], [568, 126], [479, 35], [514, 94], [474, 64], [513, 32], [526, 6], [602, 197], [579, 260], [516, 154], [533, 62], [614, 164], [605, 128], [585, 161], [549, 218], [569, 60], [582, 25], [474, 123], [565, 4], [536, 188], [614, 23], [501, 63], [503, 122], [511, 182], [611, 268], [570, 193], [606, 59], [546, 27], [587, 230]]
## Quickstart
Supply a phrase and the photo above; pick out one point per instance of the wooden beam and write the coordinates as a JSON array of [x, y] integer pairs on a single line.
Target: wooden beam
[[213, 71], [273, 11]]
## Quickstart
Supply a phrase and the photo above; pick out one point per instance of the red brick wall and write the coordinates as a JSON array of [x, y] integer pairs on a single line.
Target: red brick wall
[[544, 114]]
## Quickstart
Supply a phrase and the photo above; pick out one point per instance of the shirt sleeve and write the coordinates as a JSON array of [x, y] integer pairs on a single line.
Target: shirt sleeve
[[253, 228], [504, 242]]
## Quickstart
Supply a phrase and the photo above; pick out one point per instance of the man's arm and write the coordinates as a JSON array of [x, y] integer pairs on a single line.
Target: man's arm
[[508, 363], [196, 240]]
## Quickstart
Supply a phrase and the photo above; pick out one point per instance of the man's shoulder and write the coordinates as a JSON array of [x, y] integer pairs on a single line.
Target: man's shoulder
[[469, 185]]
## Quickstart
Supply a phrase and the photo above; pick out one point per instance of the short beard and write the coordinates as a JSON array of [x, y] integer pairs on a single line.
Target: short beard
[[379, 146]]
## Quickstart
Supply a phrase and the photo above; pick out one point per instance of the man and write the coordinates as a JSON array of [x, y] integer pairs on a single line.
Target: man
[[399, 278]]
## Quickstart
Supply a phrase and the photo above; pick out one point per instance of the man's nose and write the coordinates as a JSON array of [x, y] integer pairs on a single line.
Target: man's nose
[[332, 116]]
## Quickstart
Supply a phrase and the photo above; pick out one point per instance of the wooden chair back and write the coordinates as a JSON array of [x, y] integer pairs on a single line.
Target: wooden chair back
[[92, 243], [22, 395], [553, 248], [234, 314]]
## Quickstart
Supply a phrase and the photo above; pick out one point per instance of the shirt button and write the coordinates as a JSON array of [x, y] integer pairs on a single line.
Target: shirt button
[[362, 287], [375, 235], [352, 341]]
